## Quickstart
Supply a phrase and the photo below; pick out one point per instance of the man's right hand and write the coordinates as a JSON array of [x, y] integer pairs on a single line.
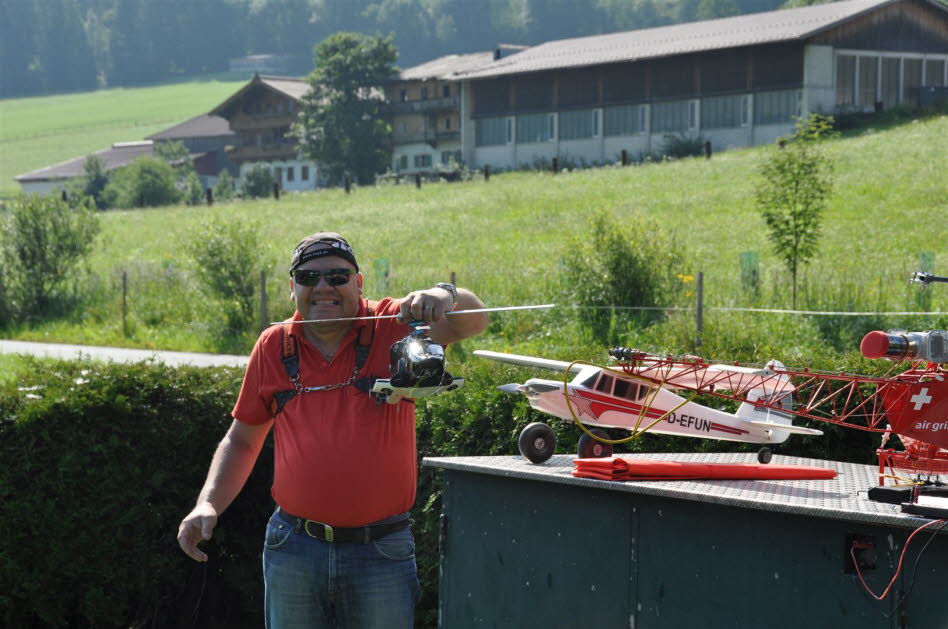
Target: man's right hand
[[196, 528]]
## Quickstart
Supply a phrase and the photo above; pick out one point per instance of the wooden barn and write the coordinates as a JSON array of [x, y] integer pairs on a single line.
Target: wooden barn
[[735, 82]]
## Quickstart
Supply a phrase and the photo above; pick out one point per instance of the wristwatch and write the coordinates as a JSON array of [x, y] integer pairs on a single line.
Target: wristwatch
[[451, 289]]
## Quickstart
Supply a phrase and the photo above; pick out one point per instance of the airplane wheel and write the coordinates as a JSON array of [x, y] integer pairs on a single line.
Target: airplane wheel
[[764, 455], [590, 448], [537, 442]]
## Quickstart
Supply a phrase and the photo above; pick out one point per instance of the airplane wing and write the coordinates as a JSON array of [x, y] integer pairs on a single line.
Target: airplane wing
[[528, 361], [798, 430]]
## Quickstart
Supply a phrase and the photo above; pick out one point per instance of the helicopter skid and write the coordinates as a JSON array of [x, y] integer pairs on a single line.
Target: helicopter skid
[[385, 388]]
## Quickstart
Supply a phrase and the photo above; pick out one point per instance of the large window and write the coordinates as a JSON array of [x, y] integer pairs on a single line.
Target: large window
[[534, 128], [423, 160], [671, 117], [490, 131], [777, 107], [845, 80], [911, 80], [890, 81], [725, 112], [624, 120], [868, 80], [934, 72], [575, 125]]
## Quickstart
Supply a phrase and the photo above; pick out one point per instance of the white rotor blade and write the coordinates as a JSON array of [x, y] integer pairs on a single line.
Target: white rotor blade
[[398, 316]]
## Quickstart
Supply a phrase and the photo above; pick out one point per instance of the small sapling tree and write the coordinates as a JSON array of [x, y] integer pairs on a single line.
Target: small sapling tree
[[794, 186]]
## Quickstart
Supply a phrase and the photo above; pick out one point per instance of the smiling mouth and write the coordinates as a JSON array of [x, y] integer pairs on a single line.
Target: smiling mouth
[[324, 302]]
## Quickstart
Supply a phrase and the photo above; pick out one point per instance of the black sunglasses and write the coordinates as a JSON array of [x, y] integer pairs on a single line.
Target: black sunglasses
[[333, 277]]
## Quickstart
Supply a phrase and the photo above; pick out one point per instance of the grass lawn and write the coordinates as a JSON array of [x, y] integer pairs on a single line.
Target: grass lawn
[[41, 131], [505, 239]]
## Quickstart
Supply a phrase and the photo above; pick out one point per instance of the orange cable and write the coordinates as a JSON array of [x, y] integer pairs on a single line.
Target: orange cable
[[898, 569]]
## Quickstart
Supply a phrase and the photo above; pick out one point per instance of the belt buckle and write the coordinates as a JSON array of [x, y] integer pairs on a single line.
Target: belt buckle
[[327, 530]]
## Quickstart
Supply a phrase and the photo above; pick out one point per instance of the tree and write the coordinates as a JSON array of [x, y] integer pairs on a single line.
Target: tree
[[795, 183], [148, 181], [226, 256], [224, 188], [95, 180], [341, 125], [257, 181], [621, 262], [45, 240]]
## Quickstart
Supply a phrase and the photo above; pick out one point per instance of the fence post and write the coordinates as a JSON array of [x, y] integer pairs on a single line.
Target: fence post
[[209, 195], [707, 149], [556, 165], [382, 267], [454, 279], [418, 181], [347, 182], [625, 157], [699, 323], [263, 300], [486, 172], [276, 190], [124, 303]]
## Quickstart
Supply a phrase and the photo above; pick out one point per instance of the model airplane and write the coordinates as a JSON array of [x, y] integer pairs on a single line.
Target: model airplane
[[616, 398]]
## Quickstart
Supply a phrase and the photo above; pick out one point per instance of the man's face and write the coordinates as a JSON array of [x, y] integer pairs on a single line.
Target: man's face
[[324, 301]]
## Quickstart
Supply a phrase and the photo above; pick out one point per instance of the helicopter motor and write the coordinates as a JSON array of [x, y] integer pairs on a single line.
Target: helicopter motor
[[417, 361]]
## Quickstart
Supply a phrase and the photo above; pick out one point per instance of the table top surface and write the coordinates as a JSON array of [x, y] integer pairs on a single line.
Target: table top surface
[[843, 497]]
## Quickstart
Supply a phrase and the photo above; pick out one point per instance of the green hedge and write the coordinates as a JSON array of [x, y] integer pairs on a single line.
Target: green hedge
[[99, 463]]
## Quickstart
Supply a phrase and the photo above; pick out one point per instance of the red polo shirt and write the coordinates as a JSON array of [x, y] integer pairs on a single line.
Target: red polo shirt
[[339, 457]]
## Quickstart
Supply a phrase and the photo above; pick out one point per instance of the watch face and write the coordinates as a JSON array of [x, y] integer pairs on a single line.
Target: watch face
[[450, 288]]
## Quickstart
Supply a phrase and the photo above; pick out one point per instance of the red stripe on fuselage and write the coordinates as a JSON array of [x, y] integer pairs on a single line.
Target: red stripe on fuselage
[[729, 429], [608, 403]]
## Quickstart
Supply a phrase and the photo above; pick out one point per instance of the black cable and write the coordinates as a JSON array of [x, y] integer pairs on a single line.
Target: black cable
[[918, 557]]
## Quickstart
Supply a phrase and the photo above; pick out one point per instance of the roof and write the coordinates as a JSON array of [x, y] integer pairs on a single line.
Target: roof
[[202, 126], [446, 67], [289, 86], [118, 155], [743, 30]]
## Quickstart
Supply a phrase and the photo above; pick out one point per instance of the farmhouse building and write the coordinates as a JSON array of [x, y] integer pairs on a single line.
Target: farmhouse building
[[206, 138], [203, 136], [737, 81], [425, 111], [260, 115]]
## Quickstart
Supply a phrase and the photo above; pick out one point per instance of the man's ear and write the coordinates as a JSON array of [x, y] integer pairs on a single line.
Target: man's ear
[[359, 280], [292, 291]]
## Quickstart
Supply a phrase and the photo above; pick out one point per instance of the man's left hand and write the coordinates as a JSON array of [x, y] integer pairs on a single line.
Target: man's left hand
[[427, 305]]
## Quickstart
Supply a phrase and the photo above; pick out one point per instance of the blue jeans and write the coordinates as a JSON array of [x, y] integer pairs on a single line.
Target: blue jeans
[[311, 584]]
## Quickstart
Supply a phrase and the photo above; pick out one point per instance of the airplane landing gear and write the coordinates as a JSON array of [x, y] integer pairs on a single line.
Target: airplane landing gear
[[764, 455], [590, 448], [537, 442]]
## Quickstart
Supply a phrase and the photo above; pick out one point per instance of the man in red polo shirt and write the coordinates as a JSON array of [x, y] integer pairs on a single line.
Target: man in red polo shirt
[[338, 549]]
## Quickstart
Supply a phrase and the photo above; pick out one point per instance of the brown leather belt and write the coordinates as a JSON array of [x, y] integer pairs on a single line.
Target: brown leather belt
[[335, 534]]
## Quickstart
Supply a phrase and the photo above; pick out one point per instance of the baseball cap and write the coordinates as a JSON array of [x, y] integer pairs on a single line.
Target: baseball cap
[[337, 246]]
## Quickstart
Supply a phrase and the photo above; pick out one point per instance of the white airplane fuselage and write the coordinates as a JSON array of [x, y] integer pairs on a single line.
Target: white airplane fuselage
[[594, 406]]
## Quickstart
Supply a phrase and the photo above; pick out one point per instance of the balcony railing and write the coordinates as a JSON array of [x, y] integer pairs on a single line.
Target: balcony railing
[[286, 150], [421, 106], [428, 137]]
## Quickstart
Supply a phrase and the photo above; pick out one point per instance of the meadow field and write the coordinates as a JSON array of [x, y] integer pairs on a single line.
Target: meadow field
[[505, 239], [41, 131]]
